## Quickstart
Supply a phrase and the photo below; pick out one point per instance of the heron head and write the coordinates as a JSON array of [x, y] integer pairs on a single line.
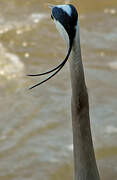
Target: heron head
[[65, 18]]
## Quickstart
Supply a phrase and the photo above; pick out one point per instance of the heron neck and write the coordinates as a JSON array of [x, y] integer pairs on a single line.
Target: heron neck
[[84, 157]]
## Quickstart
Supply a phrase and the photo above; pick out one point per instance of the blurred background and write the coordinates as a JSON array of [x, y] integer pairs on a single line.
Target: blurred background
[[35, 125]]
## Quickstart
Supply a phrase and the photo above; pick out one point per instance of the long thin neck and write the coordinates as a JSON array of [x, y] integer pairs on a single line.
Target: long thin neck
[[84, 157]]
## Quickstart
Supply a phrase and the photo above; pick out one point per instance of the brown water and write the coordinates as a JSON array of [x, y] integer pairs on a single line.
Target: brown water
[[35, 126]]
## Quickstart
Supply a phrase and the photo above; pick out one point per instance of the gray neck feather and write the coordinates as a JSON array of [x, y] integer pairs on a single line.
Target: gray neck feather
[[84, 157]]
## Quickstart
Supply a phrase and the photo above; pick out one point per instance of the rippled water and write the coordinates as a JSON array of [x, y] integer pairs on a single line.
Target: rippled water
[[35, 126]]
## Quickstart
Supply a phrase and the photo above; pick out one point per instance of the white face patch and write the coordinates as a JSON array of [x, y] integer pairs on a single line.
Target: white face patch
[[62, 31], [66, 8]]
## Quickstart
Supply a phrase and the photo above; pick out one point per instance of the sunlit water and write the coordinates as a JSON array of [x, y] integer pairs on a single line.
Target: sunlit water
[[35, 126]]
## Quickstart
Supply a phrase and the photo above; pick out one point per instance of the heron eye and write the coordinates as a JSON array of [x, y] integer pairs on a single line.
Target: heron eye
[[52, 16]]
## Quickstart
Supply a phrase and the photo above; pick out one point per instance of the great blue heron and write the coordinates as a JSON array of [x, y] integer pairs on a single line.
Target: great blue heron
[[66, 20]]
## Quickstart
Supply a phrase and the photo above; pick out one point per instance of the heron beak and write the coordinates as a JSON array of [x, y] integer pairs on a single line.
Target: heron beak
[[51, 6]]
